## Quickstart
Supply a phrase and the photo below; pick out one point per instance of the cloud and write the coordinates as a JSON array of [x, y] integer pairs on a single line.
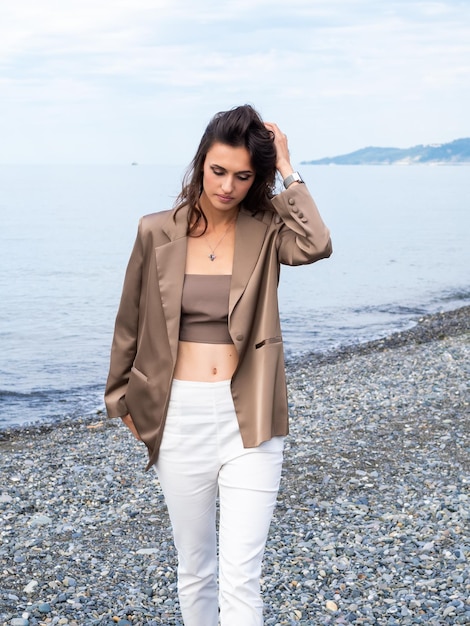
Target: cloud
[[131, 63]]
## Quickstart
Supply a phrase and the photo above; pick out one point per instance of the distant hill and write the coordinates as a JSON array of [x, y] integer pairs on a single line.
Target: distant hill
[[455, 152]]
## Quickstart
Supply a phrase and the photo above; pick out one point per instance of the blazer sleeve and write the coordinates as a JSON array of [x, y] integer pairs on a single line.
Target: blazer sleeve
[[303, 236], [124, 345]]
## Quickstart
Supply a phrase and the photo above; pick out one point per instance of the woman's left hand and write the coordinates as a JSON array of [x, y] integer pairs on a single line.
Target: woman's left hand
[[282, 150], [129, 422]]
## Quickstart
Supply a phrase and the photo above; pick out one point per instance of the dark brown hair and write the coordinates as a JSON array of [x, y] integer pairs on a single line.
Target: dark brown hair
[[241, 126]]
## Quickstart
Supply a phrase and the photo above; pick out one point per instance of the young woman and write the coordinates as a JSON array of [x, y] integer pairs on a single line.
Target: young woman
[[197, 366]]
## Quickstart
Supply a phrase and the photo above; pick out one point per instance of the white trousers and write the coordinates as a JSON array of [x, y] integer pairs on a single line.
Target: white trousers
[[202, 455]]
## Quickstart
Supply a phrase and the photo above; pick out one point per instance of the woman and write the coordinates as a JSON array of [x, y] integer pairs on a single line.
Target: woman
[[197, 367]]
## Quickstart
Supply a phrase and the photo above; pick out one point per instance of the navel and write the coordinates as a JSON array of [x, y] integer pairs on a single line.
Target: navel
[[214, 370]]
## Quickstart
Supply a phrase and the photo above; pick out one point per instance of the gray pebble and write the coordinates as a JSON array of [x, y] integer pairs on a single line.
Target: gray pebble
[[371, 519]]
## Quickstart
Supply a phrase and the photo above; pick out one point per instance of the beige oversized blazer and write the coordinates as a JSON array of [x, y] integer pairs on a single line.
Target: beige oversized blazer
[[145, 342]]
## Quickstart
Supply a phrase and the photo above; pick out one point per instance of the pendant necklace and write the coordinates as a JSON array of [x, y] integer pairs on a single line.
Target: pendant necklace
[[212, 255]]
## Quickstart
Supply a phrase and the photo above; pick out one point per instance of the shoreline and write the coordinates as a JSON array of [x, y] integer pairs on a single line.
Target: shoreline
[[430, 327], [370, 525]]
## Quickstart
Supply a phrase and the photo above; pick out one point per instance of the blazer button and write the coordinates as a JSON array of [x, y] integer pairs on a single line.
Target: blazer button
[[301, 215], [291, 201], [239, 337]]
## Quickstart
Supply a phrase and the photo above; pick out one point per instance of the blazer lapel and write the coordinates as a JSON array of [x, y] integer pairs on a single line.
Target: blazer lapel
[[249, 237], [171, 263]]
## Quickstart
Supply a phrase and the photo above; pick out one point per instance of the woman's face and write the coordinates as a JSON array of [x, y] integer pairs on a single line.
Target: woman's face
[[227, 176]]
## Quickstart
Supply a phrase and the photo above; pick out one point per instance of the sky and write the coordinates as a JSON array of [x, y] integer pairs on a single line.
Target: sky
[[121, 81]]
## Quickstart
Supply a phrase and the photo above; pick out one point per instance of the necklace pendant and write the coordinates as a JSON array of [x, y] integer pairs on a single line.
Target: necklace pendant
[[212, 256]]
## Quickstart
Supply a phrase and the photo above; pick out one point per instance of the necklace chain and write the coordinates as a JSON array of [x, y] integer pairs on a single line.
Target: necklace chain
[[212, 256]]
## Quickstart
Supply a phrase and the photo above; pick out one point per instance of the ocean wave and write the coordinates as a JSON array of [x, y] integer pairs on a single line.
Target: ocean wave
[[43, 405]]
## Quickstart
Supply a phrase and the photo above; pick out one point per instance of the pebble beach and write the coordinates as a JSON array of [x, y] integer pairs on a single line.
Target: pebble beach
[[372, 523]]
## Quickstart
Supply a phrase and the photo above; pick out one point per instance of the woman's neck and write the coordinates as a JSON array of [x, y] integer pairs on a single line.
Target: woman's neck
[[217, 220]]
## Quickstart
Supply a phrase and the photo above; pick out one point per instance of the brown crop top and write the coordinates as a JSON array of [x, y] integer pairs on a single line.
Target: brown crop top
[[204, 308]]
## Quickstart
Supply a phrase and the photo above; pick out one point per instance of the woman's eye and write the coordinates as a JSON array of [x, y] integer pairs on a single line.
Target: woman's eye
[[243, 178], [218, 172]]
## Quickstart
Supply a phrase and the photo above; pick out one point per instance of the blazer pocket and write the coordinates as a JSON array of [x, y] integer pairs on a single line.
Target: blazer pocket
[[265, 342], [139, 374]]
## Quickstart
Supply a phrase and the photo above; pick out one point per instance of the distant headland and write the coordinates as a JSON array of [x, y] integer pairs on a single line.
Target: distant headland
[[453, 153]]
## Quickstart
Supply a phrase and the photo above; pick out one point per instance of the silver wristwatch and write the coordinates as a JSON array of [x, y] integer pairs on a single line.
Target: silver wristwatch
[[294, 177]]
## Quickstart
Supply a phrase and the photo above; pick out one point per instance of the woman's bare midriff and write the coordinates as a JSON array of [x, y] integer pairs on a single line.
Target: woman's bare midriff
[[205, 362]]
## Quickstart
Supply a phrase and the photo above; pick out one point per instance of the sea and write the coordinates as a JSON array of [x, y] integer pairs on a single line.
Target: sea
[[401, 250]]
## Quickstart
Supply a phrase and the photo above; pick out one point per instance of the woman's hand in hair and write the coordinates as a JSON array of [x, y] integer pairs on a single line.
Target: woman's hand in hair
[[129, 422], [282, 150]]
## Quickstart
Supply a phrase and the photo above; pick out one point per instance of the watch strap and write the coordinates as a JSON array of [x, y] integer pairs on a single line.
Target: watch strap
[[292, 178]]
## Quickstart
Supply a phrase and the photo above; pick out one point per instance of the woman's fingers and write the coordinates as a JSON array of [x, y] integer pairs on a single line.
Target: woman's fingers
[[129, 422]]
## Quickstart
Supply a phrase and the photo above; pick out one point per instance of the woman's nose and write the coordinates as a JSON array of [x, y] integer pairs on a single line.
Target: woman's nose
[[227, 184]]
